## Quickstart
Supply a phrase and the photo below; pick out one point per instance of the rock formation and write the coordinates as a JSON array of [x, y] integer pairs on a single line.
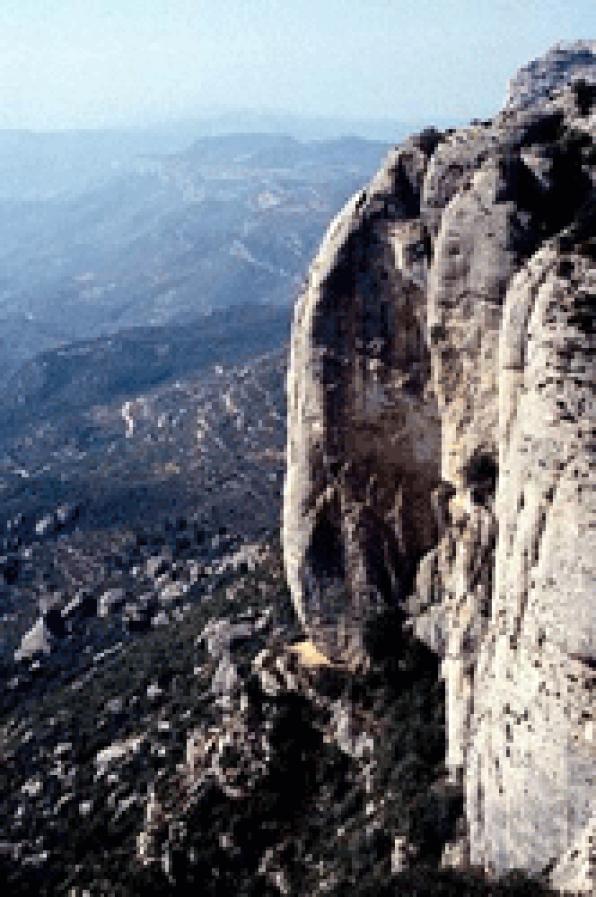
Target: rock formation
[[439, 456]]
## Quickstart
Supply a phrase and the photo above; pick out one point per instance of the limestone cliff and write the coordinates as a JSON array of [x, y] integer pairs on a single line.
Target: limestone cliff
[[439, 450]]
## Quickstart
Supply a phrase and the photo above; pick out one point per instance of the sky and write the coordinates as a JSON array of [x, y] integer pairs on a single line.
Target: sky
[[97, 63]]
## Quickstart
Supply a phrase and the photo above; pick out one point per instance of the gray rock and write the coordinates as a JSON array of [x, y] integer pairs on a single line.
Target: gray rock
[[37, 640], [439, 402], [537, 81], [111, 601]]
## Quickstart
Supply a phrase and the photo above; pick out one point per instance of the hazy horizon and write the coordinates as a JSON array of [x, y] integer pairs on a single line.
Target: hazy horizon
[[248, 121], [143, 64]]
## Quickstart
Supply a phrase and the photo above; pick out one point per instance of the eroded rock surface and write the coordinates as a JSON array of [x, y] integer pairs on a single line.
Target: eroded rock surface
[[439, 456]]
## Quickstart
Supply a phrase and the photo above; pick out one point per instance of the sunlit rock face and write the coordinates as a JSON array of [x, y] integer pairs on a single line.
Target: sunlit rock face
[[439, 456], [364, 438]]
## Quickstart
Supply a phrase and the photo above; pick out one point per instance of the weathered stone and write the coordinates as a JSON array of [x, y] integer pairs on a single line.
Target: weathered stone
[[37, 640], [440, 396], [364, 437], [542, 77]]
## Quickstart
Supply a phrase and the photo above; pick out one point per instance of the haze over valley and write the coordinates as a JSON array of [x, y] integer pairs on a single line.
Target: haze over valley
[[156, 239]]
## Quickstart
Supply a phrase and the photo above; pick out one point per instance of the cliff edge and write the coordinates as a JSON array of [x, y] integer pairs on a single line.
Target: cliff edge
[[440, 457]]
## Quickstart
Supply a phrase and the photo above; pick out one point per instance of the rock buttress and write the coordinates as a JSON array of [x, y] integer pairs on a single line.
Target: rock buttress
[[439, 455], [364, 434], [530, 772]]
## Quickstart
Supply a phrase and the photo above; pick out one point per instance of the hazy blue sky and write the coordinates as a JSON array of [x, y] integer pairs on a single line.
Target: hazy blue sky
[[67, 63]]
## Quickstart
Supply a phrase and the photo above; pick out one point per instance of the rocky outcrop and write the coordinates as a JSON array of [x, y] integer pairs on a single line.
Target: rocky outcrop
[[566, 62], [439, 455], [364, 438]]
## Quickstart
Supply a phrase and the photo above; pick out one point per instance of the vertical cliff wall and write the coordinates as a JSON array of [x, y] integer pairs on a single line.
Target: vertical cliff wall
[[439, 455]]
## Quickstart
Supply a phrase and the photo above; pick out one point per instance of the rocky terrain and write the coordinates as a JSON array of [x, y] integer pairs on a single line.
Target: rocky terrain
[[164, 727], [411, 716], [65, 382], [120, 523], [119, 510], [440, 457]]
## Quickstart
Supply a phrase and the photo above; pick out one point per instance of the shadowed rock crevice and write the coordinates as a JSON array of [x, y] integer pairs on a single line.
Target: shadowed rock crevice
[[481, 476]]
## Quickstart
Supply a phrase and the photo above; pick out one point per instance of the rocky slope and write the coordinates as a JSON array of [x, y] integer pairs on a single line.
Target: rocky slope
[[69, 380], [115, 513], [440, 397]]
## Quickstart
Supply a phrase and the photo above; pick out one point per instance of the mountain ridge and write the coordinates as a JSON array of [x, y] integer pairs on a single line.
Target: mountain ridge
[[166, 238]]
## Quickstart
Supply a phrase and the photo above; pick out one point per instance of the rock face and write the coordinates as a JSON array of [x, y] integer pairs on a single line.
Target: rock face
[[440, 399], [566, 62]]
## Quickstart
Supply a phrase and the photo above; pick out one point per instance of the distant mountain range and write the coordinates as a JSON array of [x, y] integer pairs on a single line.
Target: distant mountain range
[[47, 164], [161, 239]]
